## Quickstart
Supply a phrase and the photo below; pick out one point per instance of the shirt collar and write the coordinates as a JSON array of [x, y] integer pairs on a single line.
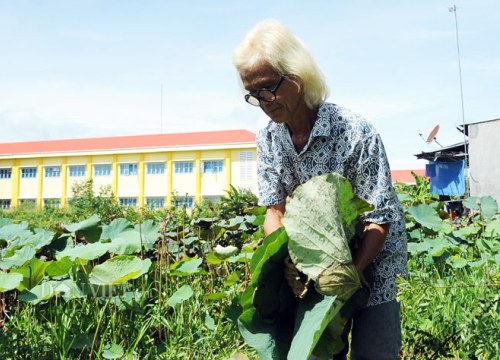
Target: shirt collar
[[323, 125]]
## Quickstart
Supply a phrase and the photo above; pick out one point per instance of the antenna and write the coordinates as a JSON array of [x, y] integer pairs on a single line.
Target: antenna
[[453, 9], [432, 136]]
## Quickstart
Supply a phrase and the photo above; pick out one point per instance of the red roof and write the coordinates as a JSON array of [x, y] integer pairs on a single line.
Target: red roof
[[405, 176], [129, 142]]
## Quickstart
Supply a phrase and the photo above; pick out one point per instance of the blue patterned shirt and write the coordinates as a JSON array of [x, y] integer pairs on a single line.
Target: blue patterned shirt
[[345, 143]]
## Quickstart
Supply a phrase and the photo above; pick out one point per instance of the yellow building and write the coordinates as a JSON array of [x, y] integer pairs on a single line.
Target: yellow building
[[145, 170]]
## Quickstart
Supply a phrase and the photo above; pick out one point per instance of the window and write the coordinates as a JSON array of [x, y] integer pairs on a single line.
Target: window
[[155, 168], [52, 203], [102, 170], [52, 171], [128, 169], [187, 201], [5, 173], [27, 173], [132, 202], [4, 204], [214, 166], [77, 170], [155, 202], [27, 201], [246, 165], [184, 167]]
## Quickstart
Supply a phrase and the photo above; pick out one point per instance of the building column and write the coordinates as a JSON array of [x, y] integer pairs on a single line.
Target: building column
[[88, 167], [170, 177], [114, 174], [16, 178], [64, 179], [140, 169], [198, 173], [228, 169], [39, 194]]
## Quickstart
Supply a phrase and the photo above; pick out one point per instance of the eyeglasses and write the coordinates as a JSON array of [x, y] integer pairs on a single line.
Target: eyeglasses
[[268, 95]]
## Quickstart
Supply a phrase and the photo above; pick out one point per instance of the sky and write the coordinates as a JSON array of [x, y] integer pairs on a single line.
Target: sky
[[98, 68]]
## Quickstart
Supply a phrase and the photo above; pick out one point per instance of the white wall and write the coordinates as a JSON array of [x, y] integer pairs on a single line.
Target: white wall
[[484, 159]]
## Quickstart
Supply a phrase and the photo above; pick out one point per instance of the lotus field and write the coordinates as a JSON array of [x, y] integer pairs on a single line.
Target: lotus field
[[101, 281]]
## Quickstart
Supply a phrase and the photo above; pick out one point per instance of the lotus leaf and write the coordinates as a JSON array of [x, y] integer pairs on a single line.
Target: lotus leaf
[[118, 270], [320, 221]]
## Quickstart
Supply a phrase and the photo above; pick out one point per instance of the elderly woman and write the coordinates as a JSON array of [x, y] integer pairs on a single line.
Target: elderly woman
[[306, 137]]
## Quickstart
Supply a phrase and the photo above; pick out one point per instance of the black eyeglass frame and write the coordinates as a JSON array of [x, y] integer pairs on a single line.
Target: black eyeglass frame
[[256, 96]]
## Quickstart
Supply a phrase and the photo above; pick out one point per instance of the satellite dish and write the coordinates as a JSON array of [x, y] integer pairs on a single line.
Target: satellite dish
[[432, 135]]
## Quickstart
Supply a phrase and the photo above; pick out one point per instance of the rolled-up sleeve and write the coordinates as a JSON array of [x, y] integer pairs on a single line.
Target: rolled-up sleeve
[[371, 178]]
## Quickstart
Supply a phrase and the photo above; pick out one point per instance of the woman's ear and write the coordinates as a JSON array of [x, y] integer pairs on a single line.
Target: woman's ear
[[297, 81]]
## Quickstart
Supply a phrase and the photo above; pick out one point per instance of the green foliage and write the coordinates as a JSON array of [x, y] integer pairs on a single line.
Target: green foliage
[[235, 202], [174, 292], [86, 203], [414, 194], [450, 299], [70, 294]]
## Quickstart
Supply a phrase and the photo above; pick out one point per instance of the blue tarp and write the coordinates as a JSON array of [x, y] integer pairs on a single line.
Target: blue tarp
[[447, 178]]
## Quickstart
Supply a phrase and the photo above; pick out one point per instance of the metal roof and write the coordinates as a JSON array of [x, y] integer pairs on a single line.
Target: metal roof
[[135, 142]]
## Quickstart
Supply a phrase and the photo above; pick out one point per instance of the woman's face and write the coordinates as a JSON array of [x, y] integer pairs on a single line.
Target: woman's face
[[289, 96]]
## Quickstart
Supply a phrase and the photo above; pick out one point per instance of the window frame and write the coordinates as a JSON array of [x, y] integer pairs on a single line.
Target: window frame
[[78, 173], [5, 173], [124, 201], [5, 204], [152, 202], [183, 165], [187, 201], [128, 169], [153, 167], [101, 167], [49, 171], [213, 166], [32, 173]]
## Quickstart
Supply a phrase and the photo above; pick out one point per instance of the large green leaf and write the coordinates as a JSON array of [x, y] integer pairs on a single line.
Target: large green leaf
[[472, 203], [272, 245], [426, 216], [89, 229], [9, 281], [9, 232], [118, 270], [39, 293], [272, 341], [182, 294], [321, 218], [150, 233], [33, 273], [116, 227], [87, 252], [59, 267], [320, 221], [187, 267], [36, 240], [314, 314], [493, 229], [69, 289], [18, 258], [489, 207], [131, 241]]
